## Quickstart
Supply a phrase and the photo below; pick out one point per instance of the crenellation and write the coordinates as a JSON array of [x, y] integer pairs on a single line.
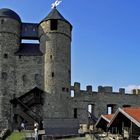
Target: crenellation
[[77, 87], [89, 89], [122, 90]]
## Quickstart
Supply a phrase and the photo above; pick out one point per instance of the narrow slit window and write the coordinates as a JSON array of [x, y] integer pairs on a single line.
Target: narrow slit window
[[54, 24], [75, 112], [52, 74]]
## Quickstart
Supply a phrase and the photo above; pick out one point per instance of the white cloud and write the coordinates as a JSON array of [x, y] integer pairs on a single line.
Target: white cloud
[[129, 88]]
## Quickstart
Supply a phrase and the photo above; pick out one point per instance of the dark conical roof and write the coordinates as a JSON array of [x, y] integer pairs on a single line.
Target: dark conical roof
[[54, 14], [5, 12]]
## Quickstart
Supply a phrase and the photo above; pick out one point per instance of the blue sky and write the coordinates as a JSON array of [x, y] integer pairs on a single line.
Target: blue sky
[[106, 38]]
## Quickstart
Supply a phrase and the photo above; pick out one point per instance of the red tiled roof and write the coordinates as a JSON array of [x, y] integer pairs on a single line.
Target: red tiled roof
[[109, 116], [134, 112]]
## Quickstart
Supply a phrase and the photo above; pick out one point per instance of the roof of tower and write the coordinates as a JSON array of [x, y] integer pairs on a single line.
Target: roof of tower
[[55, 14], [5, 12]]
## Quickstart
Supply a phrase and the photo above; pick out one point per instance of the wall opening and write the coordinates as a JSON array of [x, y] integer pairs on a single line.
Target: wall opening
[[124, 106], [63, 89], [30, 41], [111, 108], [75, 112], [54, 24], [72, 93], [91, 108], [5, 55], [52, 74]]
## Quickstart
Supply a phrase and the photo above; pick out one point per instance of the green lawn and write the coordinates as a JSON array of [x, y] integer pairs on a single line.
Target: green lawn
[[16, 136]]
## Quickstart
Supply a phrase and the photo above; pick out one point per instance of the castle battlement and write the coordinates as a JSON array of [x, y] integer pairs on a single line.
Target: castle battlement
[[101, 89]]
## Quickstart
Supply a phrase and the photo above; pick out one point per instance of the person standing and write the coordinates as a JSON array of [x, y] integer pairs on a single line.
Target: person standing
[[22, 126], [36, 133]]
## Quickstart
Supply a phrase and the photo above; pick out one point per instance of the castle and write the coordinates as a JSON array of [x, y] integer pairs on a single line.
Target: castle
[[35, 78]]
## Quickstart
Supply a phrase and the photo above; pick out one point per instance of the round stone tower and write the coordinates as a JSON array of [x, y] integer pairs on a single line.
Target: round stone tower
[[55, 43], [10, 24]]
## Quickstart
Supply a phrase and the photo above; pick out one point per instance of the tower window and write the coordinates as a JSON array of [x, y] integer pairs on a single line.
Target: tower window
[[5, 55], [54, 24], [52, 74], [50, 56]]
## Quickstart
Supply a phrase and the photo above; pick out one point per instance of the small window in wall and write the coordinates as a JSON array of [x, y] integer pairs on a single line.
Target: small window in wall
[[50, 56], [2, 21], [91, 108], [63, 89], [5, 55], [52, 74], [75, 112], [4, 75], [54, 24], [24, 79], [111, 108], [72, 93]]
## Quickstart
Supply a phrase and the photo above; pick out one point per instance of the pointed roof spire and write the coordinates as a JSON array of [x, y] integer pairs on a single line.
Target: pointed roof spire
[[55, 14]]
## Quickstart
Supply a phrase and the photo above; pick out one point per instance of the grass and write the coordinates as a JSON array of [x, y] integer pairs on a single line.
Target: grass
[[16, 136]]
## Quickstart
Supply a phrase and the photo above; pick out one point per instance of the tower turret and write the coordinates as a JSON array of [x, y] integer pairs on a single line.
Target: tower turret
[[55, 42]]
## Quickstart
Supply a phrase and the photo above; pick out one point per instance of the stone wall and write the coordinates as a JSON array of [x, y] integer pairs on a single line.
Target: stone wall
[[29, 73], [100, 100]]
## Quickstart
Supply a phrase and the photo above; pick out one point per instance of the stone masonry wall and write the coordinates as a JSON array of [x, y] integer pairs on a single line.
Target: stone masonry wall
[[29, 73], [9, 43], [100, 100]]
